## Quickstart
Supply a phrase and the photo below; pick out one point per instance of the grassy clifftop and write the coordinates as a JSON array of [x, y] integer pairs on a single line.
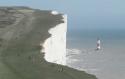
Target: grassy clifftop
[[22, 30]]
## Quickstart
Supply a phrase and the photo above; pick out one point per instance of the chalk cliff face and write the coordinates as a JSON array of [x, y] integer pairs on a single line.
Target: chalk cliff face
[[55, 45], [25, 34]]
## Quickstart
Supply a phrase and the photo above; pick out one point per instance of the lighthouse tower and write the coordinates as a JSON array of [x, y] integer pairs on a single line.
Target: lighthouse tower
[[98, 44]]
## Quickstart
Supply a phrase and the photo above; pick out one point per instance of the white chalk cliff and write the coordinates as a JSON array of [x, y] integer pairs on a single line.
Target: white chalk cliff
[[55, 45]]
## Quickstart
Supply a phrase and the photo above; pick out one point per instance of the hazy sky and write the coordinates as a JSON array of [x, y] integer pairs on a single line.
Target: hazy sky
[[82, 14]]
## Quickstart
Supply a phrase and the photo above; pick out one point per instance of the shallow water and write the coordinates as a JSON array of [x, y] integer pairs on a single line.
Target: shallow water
[[107, 63]]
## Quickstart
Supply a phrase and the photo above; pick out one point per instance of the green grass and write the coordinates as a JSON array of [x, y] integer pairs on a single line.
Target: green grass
[[20, 52]]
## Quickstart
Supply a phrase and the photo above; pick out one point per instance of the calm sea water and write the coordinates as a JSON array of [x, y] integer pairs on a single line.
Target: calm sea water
[[107, 63]]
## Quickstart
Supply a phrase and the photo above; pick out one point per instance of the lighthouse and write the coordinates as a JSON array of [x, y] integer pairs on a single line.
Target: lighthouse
[[98, 44]]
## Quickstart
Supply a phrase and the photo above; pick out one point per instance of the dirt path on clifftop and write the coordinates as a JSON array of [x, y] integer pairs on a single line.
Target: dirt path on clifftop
[[7, 35]]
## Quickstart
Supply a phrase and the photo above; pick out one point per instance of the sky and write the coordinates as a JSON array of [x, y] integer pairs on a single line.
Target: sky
[[82, 14]]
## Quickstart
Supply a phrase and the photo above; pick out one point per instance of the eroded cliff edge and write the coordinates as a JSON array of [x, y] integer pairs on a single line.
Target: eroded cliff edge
[[22, 29], [55, 45]]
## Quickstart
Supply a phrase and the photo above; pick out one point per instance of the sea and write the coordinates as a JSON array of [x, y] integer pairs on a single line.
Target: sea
[[106, 63]]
